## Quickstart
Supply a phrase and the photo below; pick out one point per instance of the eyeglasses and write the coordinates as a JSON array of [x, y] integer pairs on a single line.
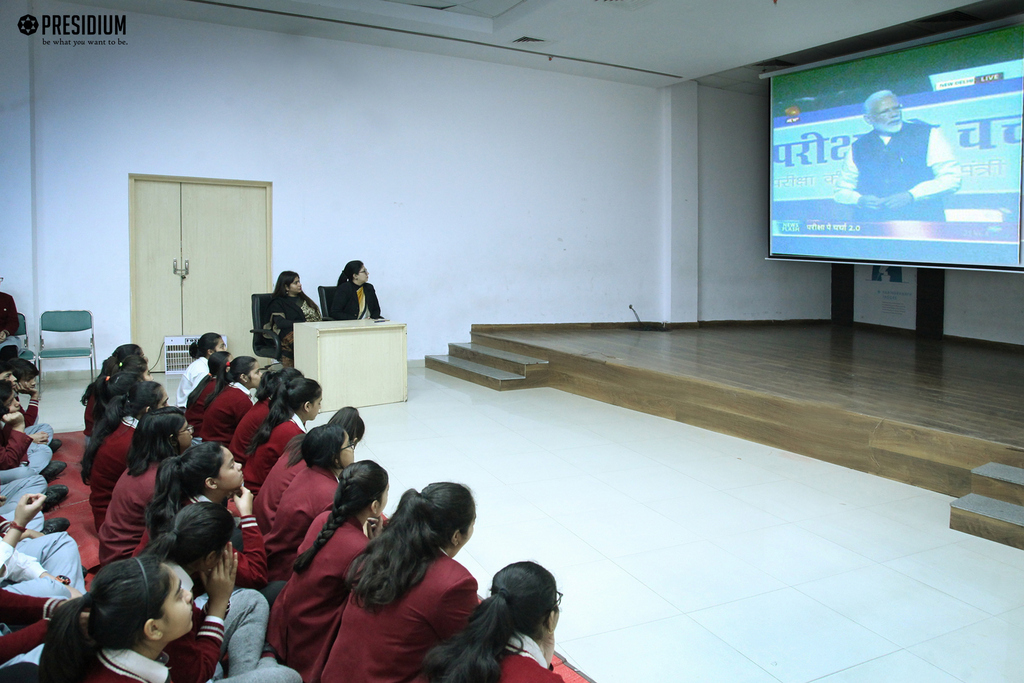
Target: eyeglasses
[[189, 428], [558, 599], [351, 445]]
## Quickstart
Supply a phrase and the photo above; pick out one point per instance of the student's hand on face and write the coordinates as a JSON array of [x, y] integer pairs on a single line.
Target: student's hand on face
[[243, 501], [373, 527], [220, 581], [15, 419], [39, 437]]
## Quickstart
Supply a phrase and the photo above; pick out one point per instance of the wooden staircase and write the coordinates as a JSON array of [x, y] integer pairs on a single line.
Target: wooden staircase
[[995, 507], [490, 367]]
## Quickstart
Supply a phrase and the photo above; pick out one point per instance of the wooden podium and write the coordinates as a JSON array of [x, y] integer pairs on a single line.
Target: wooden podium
[[357, 362]]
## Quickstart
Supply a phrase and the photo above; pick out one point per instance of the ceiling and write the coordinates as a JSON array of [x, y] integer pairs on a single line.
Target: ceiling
[[721, 43]]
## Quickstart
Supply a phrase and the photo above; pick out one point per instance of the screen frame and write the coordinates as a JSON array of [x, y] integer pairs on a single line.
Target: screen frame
[[988, 27]]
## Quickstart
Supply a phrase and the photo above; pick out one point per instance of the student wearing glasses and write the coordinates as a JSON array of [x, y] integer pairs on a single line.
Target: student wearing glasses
[[355, 298]]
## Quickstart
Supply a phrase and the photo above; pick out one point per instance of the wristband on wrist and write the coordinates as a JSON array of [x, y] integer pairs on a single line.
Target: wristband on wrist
[[15, 525]]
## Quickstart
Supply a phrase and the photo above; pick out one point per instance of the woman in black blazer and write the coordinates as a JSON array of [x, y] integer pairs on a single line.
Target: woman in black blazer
[[348, 304]]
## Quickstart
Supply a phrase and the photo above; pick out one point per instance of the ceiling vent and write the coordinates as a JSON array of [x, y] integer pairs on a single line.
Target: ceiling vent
[[528, 39]]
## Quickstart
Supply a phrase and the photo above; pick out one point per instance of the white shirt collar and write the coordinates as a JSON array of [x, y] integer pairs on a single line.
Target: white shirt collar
[[241, 387], [199, 499], [527, 647], [298, 421], [186, 580], [130, 422], [131, 664]]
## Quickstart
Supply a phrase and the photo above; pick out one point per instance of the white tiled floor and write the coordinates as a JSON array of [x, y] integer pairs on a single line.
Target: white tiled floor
[[686, 555]]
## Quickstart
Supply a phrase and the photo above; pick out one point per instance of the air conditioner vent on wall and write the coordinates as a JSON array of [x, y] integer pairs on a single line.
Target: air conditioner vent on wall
[[176, 358]]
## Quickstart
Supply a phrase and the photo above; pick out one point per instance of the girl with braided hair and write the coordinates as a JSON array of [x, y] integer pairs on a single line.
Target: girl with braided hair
[[326, 451], [307, 613], [105, 458]]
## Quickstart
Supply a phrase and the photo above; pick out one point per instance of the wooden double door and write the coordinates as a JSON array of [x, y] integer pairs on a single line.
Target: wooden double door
[[200, 248]]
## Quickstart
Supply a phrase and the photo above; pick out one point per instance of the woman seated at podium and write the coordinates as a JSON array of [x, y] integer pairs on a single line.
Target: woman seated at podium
[[354, 298], [288, 306]]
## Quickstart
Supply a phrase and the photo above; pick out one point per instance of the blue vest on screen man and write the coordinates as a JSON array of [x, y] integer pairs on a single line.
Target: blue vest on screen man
[[885, 170]]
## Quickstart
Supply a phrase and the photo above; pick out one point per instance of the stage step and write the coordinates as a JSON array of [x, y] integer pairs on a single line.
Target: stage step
[[988, 518], [483, 375], [498, 358], [999, 481]]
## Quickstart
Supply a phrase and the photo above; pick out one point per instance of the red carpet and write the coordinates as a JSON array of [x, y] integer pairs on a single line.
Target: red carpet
[[568, 673], [76, 506]]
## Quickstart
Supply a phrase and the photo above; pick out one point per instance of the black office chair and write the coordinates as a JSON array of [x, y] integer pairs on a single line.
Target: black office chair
[[326, 298], [265, 342]]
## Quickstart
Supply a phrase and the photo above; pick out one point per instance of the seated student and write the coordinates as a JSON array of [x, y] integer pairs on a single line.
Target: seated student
[[106, 457], [510, 637], [207, 472], [25, 382], [195, 407], [200, 350], [408, 592], [355, 298], [20, 455], [230, 399], [270, 382], [307, 613], [291, 463], [125, 358], [290, 305], [295, 404], [197, 540], [117, 633], [326, 452], [10, 344], [161, 434], [45, 566]]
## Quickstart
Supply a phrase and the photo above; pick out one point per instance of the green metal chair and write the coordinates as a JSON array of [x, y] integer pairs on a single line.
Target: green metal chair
[[67, 321], [26, 353]]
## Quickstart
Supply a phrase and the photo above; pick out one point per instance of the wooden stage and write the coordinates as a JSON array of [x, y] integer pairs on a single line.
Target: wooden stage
[[918, 411]]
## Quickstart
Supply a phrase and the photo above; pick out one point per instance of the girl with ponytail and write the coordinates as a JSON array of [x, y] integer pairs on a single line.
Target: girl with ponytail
[[117, 632], [106, 456], [295, 404], [291, 463], [207, 472], [200, 350], [247, 427], [327, 453], [307, 613], [117, 362], [231, 399], [510, 637], [197, 540], [162, 433], [408, 592], [195, 406]]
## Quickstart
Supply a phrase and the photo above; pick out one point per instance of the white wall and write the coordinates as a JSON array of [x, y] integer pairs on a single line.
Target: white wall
[[16, 257], [736, 282], [474, 192], [985, 305]]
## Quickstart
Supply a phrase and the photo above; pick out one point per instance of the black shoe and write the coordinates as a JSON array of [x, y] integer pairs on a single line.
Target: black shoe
[[55, 444], [56, 525], [55, 495], [53, 470]]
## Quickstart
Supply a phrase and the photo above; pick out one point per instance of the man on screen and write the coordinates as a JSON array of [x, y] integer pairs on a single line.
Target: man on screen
[[900, 171]]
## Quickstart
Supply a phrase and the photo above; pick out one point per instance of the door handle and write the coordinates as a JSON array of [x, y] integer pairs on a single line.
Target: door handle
[[182, 272]]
